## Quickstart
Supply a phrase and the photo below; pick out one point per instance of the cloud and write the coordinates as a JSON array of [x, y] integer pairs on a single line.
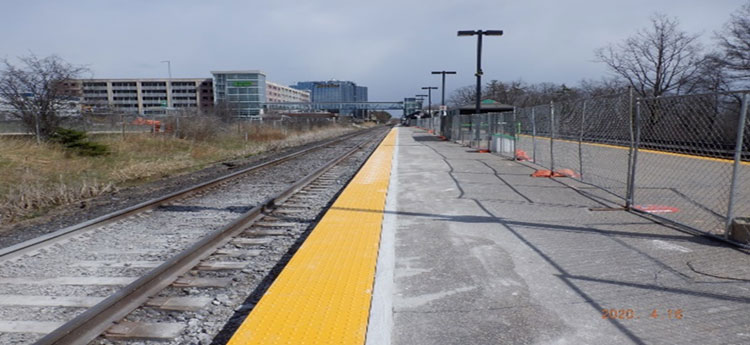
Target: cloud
[[390, 46]]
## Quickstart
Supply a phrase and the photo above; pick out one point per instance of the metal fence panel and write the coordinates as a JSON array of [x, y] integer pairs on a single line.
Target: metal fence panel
[[503, 134], [526, 136], [482, 133], [567, 130], [741, 201], [684, 166], [474, 121], [672, 158], [12, 127], [543, 138], [456, 128], [605, 143], [465, 134]]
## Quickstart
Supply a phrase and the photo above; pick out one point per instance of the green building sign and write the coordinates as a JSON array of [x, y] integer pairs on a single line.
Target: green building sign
[[243, 83]]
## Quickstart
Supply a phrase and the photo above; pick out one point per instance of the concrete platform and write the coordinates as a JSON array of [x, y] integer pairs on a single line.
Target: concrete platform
[[475, 251]]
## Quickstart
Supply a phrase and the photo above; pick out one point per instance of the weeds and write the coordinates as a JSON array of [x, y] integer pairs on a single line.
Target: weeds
[[39, 177]]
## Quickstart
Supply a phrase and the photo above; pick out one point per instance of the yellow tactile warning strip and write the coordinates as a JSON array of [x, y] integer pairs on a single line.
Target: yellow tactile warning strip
[[323, 294]]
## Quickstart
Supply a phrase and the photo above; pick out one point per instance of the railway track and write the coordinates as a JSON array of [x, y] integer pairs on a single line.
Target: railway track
[[165, 269]]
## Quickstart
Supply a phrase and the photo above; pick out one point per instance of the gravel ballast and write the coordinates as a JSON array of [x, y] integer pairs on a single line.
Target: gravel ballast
[[133, 246]]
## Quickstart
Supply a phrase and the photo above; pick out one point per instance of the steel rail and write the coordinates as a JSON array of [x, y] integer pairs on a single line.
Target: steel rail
[[96, 320], [22, 248]]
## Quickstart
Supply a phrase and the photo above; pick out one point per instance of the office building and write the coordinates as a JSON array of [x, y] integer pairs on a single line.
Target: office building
[[360, 94], [411, 106], [242, 90], [335, 91], [142, 96], [276, 93]]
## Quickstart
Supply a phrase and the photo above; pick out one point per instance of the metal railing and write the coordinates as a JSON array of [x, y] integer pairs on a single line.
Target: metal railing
[[684, 159]]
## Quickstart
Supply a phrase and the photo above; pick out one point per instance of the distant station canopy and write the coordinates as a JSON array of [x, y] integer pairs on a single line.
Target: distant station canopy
[[486, 106]]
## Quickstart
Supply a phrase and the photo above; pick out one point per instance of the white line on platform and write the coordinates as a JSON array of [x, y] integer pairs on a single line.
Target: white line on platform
[[380, 324]]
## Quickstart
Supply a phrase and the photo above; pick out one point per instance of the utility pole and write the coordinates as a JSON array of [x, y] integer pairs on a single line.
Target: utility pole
[[169, 93]]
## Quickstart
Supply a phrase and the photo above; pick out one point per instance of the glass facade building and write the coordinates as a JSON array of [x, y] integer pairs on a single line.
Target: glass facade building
[[335, 91], [244, 91], [411, 106], [360, 95]]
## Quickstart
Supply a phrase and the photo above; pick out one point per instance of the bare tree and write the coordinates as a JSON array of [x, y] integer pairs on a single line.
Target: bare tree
[[35, 91], [513, 92], [713, 76], [604, 87], [734, 40], [224, 110], [462, 96], [381, 116], [658, 60]]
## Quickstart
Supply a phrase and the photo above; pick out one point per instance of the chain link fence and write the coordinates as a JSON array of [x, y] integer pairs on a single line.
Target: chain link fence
[[504, 129], [177, 124], [99, 123], [684, 159], [739, 209], [605, 143]]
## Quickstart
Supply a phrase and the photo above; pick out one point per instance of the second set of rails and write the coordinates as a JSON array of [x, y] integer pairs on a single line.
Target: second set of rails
[[72, 286]]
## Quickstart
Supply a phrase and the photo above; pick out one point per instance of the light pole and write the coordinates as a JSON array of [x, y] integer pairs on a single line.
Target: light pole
[[421, 100], [479, 34], [442, 98], [429, 97], [169, 83]]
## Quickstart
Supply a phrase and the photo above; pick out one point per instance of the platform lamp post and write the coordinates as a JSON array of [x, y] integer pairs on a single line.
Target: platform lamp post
[[429, 97], [169, 81], [479, 34], [442, 98], [429, 103], [421, 101]]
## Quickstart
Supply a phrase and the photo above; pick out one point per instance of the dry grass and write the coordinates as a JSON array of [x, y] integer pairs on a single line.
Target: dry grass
[[39, 177]]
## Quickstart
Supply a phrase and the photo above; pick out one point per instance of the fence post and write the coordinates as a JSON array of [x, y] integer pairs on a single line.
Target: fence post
[[176, 125], [457, 127], [629, 198], [533, 135], [735, 168], [580, 141], [492, 126], [122, 125], [552, 135], [631, 130], [36, 129], [514, 133], [460, 135], [468, 133], [478, 133]]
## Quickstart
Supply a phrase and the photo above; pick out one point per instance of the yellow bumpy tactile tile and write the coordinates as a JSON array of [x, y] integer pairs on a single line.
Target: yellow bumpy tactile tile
[[323, 294]]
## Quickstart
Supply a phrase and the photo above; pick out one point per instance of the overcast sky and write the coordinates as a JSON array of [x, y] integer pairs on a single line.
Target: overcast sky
[[390, 46]]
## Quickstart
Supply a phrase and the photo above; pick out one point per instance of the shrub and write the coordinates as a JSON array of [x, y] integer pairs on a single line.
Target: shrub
[[199, 127], [78, 142]]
